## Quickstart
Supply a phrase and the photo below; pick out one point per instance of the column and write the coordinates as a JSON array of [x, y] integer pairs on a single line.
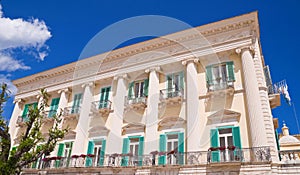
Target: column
[[63, 100], [115, 121], [192, 106], [151, 134], [14, 118], [265, 105], [255, 115], [81, 140]]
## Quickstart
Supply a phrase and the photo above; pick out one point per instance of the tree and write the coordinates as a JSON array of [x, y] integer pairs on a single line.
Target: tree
[[12, 160]]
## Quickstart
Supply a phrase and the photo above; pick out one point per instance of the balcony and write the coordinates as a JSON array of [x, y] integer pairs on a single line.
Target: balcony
[[136, 103], [102, 107], [212, 158], [48, 115], [171, 96], [221, 88], [22, 119], [71, 113], [290, 156]]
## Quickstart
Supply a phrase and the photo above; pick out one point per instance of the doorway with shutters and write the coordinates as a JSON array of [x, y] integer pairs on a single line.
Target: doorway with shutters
[[96, 148], [133, 148], [104, 97], [175, 84], [223, 138]]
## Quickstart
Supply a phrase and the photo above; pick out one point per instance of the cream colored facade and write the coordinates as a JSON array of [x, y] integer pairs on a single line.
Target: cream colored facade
[[182, 96]]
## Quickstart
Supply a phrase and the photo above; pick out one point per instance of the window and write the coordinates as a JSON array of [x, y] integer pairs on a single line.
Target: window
[[135, 146], [175, 82], [220, 76], [138, 89], [223, 138], [64, 150], [173, 144], [76, 103], [104, 97], [26, 110], [53, 107], [97, 148]]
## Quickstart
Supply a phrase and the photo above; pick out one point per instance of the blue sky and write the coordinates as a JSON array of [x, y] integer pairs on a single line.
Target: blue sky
[[72, 23]]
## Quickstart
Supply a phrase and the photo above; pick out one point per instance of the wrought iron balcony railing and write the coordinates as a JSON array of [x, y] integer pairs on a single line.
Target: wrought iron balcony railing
[[74, 110], [220, 85], [105, 104], [132, 100], [171, 93], [257, 154]]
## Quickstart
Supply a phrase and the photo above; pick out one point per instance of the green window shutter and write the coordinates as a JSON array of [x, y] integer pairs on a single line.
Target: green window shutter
[[214, 141], [181, 148], [162, 148], [236, 137], [102, 96], [141, 151], [181, 79], [130, 90], [25, 111], [146, 87], [90, 150], [35, 105], [76, 103], [230, 71], [53, 107], [70, 153], [277, 142], [125, 150], [35, 163], [102, 153], [209, 78], [107, 93], [169, 82], [61, 148]]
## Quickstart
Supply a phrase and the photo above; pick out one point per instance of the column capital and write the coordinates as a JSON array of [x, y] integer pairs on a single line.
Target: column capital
[[245, 48], [190, 60], [19, 101], [65, 90], [88, 84], [121, 76], [154, 68]]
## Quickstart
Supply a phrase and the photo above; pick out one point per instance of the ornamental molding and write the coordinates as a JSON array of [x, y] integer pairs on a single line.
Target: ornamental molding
[[154, 68], [175, 44]]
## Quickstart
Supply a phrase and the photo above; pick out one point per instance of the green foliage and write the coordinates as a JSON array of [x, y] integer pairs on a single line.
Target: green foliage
[[13, 160]]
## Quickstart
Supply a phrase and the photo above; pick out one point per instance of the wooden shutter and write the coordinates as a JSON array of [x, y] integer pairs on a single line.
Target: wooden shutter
[[209, 78], [53, 107], [102, 153], [125, 150], [230, 71], [214, 141], [181, 80], [236, 137], [61, 147], [141, 151], [162, 148], [25, 111], [181, 148], [102, 98], [146, 87], [130, 90], [90, 150]]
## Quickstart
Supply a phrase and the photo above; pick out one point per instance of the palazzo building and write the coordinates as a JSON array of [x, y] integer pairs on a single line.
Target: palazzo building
[[198, 101]]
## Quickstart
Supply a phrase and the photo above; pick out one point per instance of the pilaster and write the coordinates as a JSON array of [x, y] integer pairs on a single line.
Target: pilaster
[[81, 140], [19, 103], [151, 133]]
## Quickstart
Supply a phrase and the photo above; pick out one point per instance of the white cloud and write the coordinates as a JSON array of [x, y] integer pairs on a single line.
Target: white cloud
[[9, 64], [19, 33], [5, 79]]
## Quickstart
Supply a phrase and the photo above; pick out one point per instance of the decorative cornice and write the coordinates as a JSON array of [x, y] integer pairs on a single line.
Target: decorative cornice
[[154, 68], [121, 76], [172, 40]]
